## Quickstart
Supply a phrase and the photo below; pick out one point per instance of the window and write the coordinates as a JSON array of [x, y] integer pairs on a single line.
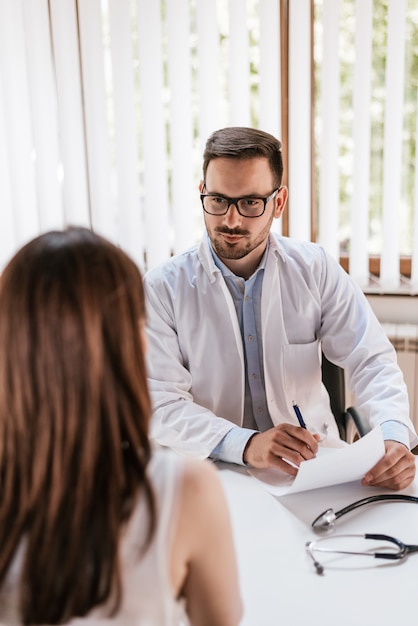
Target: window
[[366, 79], [105, 107]]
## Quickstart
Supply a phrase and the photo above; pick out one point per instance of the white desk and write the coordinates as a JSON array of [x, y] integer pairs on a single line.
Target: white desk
[[279, 584]]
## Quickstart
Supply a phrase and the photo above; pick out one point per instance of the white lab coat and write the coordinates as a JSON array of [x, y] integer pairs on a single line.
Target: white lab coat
[[195, 353]]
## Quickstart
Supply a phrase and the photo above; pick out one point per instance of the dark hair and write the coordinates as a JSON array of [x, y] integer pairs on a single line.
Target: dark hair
[[74, 415], [236, 142]]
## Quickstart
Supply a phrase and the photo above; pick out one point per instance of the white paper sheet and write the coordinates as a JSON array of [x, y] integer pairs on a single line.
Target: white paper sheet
[[329, 467]]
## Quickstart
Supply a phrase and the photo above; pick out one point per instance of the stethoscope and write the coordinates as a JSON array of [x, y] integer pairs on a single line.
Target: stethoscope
[[326, 520]]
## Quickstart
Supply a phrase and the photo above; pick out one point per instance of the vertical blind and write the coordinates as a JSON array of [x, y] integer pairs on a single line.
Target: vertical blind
[[105, 106], [377, 201]]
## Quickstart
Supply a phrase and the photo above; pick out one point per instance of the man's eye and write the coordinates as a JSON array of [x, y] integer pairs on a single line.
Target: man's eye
[[218, 200], [251, 202]]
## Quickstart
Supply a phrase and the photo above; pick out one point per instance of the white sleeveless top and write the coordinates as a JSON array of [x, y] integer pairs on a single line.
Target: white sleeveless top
[[147, 596]]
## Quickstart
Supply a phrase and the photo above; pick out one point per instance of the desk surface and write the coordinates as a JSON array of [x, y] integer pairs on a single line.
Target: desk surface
[[279, 584]]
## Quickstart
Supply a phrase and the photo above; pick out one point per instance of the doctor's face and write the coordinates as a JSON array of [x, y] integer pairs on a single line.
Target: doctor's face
[[240, 241]]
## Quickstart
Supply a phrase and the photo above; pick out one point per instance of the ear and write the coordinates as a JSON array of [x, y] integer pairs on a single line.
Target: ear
[[280, 201], [201, 185]]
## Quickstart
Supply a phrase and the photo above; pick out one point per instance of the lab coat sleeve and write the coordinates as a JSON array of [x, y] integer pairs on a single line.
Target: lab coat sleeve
[[177, 421], [353, 338]]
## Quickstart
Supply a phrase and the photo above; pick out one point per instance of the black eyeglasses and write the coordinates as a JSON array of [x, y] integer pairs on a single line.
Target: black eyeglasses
[[335, 550], [214, 204]]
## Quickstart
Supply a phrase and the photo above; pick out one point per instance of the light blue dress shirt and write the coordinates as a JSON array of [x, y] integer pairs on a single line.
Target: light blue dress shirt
[[246, 295]]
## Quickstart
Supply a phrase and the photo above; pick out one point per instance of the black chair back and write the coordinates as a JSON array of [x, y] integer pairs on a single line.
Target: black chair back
[[333, 378]]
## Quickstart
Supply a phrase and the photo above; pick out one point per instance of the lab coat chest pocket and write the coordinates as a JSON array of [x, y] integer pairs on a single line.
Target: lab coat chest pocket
[[301, 370]]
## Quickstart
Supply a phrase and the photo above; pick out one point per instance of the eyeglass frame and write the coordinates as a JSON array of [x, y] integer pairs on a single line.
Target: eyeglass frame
[[235, 201], [403, 548]]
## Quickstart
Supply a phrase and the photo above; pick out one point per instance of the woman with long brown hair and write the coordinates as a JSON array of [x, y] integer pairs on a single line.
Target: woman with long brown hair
[[95, 523]]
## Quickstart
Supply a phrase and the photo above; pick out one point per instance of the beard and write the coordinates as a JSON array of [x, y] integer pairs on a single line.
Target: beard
[[231, 251], [243, 247]]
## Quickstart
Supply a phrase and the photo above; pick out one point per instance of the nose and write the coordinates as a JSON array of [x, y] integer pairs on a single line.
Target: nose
[[232, 217]]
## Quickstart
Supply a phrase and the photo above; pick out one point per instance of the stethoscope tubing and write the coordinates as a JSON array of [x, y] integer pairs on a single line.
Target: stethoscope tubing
[[389, 497], [326, 520]]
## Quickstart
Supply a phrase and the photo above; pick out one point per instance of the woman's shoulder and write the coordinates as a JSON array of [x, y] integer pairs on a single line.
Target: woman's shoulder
[[181, 480], [194, 473]]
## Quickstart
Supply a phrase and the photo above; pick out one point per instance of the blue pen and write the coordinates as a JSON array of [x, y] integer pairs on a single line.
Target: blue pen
[[299, 415]]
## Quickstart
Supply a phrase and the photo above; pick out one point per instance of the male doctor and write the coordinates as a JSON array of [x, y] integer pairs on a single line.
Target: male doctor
[[236, 326]]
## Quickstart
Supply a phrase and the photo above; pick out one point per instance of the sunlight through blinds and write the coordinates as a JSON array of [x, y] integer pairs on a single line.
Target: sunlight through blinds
[[414, 270], [209, 77], [364, 137], [103, 216], [184, 184], [328, 158], [43, 109], [156, 210], [73, 158], [300, 119], [106, 105], [126, 192], [270, 58], [7, 228], [17, 122], [359, 261], [239, 64], [392, 159]]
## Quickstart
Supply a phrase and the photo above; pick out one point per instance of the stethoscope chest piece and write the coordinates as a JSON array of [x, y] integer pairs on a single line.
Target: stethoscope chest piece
[[324, 522]]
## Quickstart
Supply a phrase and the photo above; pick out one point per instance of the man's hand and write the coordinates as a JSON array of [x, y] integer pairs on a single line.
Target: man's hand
[[285, 441], [395, 471]]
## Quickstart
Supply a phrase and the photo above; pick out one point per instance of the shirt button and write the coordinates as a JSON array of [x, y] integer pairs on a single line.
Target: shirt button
[[247, 299], [259, 410], [250, 338], [254, 376]]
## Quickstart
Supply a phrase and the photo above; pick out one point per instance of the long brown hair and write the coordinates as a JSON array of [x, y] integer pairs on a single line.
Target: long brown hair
[[74, 413]]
